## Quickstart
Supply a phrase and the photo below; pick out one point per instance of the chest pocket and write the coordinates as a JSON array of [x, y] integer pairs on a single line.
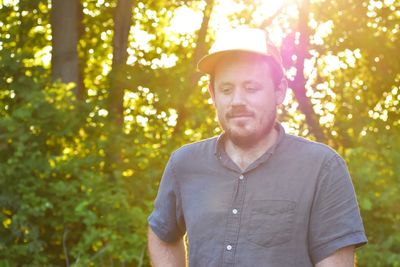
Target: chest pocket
[[271, 222]]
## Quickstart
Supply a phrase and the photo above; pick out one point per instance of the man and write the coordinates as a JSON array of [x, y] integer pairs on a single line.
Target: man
[[254, 196]]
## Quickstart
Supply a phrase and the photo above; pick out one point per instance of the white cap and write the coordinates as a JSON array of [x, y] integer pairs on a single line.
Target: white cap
[[239, 40]]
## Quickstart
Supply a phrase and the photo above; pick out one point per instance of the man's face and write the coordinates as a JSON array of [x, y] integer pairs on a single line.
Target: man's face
[[246, 98]]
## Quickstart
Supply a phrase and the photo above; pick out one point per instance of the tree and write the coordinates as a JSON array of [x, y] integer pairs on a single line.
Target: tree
[[132, 93]]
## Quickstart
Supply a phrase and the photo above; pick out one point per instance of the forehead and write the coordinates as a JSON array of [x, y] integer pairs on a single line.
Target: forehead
[[242, 66]]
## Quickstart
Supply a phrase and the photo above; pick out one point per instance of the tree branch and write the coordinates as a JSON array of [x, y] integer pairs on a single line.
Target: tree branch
[[270, 19], [64, 242], [200, 50]]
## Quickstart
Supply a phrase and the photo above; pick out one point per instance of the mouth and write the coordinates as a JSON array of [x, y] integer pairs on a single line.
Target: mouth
[[240, 115]]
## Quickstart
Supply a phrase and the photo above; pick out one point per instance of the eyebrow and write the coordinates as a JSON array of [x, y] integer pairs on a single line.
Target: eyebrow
[[251, 82], [224, 84], [245, 82]]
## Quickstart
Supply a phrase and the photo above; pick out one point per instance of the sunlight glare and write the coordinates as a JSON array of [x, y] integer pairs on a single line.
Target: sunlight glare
[[264, 9], [322, 31], [142, 39], [185, 21], [223, 10], [166, 61], [9, 3], [172, 119], [267, 8], [43, 56]]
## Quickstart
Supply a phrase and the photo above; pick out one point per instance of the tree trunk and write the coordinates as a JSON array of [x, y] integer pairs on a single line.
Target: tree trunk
[[299, 82], [64, 26], [82, 92], [122, 24]]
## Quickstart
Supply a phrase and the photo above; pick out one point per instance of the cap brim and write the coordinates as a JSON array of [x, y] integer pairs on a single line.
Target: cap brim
[[208, 62]]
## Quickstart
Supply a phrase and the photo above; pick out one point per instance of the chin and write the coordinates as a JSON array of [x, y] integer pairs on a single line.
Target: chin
[[247, 138], [244, 139]]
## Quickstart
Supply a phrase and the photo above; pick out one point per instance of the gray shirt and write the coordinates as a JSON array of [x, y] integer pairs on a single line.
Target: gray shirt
[[294, 206]]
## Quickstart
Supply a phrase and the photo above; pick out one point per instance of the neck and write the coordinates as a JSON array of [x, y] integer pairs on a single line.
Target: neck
[[244, 156]]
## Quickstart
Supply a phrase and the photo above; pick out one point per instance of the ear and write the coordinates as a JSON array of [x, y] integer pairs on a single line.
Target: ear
[[211, 91], [280, 93]]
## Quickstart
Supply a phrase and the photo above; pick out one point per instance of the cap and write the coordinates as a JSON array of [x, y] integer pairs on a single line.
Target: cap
[[239, 40]]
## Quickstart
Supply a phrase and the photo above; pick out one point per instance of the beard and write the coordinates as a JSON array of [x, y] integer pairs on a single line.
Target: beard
[[249, 140]]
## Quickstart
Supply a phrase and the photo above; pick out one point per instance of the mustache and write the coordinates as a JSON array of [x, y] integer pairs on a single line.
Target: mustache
[[241, 111]]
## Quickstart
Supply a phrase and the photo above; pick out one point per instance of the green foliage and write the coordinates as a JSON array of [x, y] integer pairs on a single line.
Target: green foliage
[[76, 189], [375, 169], [55, 195], [366, 125]]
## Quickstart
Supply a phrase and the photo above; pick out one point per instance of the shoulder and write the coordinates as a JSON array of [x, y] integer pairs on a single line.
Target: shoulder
[[301, 147], [195, 151]]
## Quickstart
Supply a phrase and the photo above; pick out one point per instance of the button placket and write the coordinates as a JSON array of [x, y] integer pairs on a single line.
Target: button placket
[[233, 225]]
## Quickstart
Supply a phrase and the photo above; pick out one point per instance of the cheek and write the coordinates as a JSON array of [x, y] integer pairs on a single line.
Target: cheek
[[218, 108], [221, 114], [220, 104], [266, 100], [266, 109]]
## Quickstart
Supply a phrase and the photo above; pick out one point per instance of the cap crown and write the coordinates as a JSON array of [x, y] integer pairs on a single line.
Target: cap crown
[[252, 40], [239, 40]]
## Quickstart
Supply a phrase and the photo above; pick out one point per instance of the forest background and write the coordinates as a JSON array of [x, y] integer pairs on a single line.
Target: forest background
[[96, 94]]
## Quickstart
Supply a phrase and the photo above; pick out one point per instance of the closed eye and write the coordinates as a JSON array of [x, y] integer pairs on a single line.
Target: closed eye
[[252, 88], [226, 89]]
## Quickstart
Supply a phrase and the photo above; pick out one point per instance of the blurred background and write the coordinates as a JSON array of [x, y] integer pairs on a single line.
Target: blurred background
[[96, 94]]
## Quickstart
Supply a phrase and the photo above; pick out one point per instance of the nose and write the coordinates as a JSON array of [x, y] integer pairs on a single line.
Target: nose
[[238, 98]]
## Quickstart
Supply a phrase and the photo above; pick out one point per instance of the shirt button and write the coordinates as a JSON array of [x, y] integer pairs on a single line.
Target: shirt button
[[241, 177], [229, 247], [234, 211]]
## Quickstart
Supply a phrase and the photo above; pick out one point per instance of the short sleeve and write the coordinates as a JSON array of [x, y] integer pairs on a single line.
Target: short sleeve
[[167, 220], [335, 220]]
